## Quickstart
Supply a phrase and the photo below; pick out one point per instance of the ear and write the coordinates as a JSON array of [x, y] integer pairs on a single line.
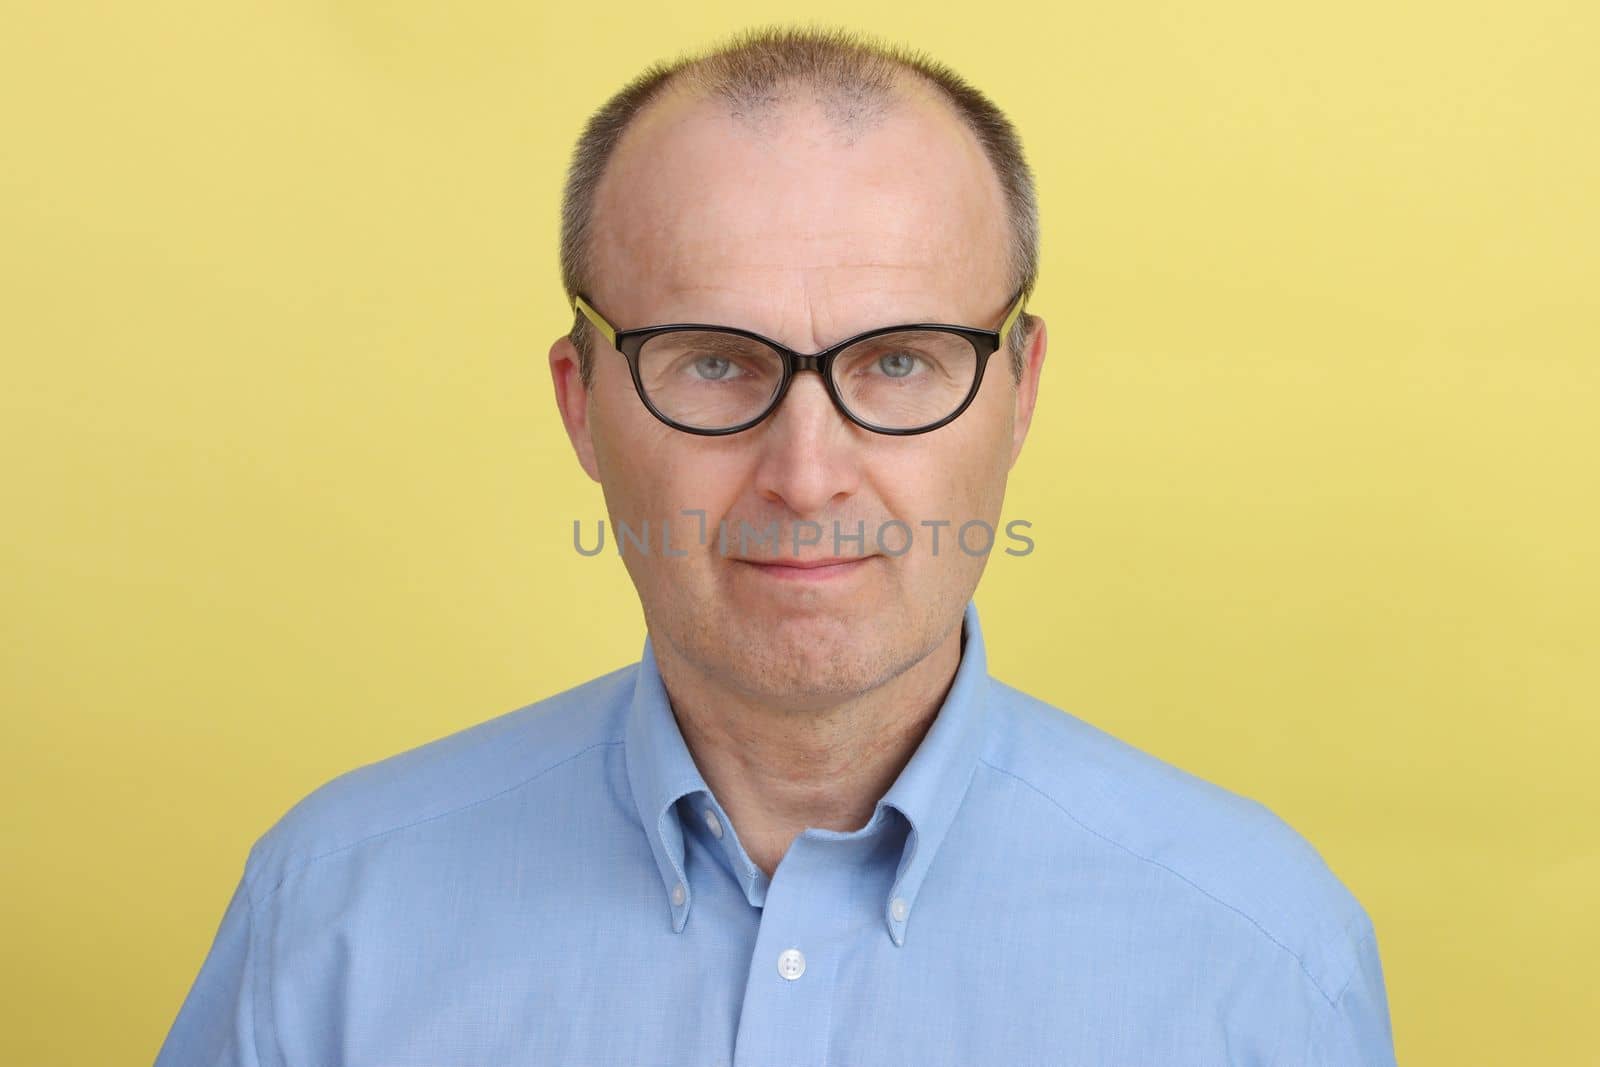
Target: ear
[[1028, 385], [572, 399]]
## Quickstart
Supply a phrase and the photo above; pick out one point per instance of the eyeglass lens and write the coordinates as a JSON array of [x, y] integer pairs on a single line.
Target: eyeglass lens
[[904, 380]]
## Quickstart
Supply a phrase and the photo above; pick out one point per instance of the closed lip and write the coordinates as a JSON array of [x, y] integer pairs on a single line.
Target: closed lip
[[805, 564]]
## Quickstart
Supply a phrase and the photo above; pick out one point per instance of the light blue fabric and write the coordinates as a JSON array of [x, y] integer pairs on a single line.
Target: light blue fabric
[[546, 888]]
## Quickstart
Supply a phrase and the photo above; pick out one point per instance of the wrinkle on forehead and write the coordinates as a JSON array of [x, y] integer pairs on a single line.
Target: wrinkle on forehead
[[813, 311]]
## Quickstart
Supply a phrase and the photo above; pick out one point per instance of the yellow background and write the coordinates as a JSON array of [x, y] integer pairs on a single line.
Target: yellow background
[[1313, 478]]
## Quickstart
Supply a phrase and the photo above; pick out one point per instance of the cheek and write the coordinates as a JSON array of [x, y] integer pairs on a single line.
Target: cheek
[[946, 484], [962, 480], [655, 473], [997, 398], [630, 447], [978, 457]]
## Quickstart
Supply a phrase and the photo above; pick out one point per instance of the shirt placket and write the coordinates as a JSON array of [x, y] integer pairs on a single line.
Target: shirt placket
[[813, 910]]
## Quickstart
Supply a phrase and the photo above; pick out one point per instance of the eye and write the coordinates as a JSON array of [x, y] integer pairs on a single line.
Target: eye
[[713, 368], [897, 364]]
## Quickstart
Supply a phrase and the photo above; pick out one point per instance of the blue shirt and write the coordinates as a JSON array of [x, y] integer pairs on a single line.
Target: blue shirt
[[559, 886]]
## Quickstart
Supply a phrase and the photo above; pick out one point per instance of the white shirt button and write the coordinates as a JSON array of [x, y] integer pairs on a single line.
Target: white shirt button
[[791, 964], [678, 895], [898, 909], [713, 824]]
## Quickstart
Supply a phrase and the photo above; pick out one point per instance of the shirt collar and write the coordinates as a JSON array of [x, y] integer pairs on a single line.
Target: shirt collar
[[928, 791]]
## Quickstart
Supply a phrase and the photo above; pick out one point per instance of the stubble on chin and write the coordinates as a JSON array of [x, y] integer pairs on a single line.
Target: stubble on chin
[[807, 659]]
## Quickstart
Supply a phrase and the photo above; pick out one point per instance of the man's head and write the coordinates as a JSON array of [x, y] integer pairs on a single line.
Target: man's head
[[807, 187]]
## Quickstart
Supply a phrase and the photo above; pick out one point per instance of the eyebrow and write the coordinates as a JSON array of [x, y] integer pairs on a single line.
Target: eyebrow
[[877, 323], [714, 342], [708, 287], [737, 344], [727, 343]]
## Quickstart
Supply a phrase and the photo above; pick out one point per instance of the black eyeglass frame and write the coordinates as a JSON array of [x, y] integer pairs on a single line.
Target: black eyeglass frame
[[630, 342]]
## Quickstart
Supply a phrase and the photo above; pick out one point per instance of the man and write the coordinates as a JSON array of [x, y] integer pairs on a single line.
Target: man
[[807, 827]]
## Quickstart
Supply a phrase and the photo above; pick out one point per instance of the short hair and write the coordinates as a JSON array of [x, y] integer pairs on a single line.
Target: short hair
[[855, 76]]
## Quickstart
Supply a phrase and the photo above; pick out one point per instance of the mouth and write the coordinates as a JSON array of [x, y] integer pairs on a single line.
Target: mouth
[[808, 570]]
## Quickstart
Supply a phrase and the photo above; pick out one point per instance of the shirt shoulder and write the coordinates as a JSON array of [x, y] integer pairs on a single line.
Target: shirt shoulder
[[1232, 851], [441, 777]]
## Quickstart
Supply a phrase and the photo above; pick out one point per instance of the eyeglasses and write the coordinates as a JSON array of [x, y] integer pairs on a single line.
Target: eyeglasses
[[715, 380]]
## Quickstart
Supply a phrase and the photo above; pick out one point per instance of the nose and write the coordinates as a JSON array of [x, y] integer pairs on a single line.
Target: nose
[[808, 451]]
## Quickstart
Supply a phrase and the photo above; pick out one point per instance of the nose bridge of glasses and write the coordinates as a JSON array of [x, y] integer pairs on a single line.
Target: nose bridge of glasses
[[787, 400], [822, 362], [808, 362]]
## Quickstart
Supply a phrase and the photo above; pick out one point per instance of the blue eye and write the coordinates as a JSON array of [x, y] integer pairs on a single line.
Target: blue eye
[[897, 364], [712, 368]]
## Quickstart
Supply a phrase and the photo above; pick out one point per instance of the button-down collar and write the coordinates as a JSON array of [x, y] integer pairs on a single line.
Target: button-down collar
[[928, 791]]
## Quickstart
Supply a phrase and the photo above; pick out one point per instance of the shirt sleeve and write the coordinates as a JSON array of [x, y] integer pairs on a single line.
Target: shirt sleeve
[[1354, 1031], [216, 1024]]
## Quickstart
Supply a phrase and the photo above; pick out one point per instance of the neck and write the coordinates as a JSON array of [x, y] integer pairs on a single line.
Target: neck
[[777, 771]]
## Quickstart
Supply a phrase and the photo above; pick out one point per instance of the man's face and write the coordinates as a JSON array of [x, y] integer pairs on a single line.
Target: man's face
[[786, 225]]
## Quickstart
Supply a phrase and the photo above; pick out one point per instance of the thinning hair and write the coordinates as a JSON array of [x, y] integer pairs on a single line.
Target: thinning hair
[[854, 78]]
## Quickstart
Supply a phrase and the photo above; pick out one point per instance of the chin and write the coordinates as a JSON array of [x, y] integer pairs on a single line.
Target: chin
[[818, 657], [794, 682]]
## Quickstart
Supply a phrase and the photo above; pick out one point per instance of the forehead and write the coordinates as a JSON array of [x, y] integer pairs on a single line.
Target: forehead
[[706, 207]]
